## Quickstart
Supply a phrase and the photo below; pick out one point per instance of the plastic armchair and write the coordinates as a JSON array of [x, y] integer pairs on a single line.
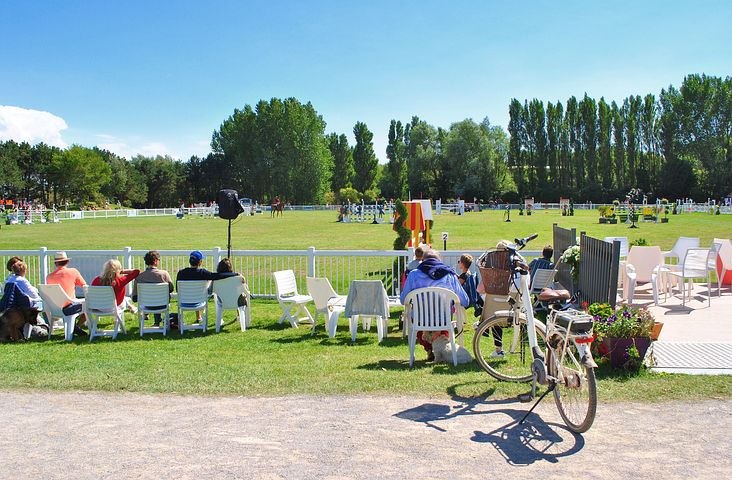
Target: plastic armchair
[[431, 310], [644, 265], [153, 298], [226, 297], [680, 247], [192, 297], [725, 261], [289, 299], [100, 301], [54, 298], [694, 266], [327, 302]]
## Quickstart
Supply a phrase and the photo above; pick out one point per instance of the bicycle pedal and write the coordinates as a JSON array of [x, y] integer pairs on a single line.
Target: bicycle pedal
[[525, 397]]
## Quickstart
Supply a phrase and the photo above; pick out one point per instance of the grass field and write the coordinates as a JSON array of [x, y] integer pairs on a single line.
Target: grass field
[[271, 359], [299, 230]]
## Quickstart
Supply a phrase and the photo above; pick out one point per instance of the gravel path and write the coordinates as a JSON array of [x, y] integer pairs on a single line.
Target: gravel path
[[95, 436]]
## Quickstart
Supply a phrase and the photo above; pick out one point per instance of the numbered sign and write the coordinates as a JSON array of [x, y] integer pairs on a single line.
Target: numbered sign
[[445, 236]]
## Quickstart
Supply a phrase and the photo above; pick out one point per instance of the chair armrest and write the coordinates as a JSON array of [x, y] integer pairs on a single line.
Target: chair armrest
[[630, 271]]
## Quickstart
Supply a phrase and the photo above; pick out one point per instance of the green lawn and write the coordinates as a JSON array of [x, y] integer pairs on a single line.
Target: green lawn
[[273, 359], [270, 359], [299, 230]]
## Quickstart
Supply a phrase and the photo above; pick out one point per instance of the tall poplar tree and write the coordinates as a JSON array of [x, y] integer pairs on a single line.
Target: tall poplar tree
[[619, 146], [342, 161], [604, 115], [364, 160], [515, 156]]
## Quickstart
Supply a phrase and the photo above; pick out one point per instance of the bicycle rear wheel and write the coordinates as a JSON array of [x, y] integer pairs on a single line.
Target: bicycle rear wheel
[[576, 390], [515, 364]]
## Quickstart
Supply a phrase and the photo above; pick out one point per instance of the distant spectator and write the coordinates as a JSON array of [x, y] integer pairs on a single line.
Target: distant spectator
[[152, 274], [114, 276], [68, 278], [226, 270], [545, 262], [433, 273]]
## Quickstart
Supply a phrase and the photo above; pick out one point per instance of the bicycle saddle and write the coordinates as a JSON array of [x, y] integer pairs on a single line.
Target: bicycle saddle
[[550, 295]]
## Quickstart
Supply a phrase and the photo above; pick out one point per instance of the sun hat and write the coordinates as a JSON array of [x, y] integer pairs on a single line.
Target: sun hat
[[197, 255], [60, 257]]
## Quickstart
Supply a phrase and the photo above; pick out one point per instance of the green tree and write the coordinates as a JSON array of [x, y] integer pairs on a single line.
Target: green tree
[[79, 174], [364, 161], [604, 114], [588, 126], [342, 161], [423, 168], [516, 131], [394, 182], [619, 146]]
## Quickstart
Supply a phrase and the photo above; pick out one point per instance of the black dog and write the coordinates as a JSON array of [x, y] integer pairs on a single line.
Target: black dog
[[13, 320]]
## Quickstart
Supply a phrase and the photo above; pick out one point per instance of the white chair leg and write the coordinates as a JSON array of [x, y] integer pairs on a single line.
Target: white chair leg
[[219, 317], [353, 325], [379, 330], [412, 342], [249, 313], [454, 349], [241, 311]]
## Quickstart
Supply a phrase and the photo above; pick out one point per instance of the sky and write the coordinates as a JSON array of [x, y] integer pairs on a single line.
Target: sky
[[158, 77]]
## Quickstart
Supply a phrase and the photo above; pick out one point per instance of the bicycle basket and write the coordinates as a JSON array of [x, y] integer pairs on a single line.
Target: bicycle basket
[[495, 272]]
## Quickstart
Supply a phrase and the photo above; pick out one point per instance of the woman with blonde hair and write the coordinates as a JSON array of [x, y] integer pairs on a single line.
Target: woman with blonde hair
[[113, 276]]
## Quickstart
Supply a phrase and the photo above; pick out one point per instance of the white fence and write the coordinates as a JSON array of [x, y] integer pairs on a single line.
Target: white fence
[[339, 266]]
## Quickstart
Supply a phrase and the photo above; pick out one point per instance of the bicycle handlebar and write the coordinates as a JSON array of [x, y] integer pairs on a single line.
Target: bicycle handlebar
[[522, 242]]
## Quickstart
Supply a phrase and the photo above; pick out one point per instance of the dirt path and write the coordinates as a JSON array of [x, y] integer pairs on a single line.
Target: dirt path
[[93, 436]]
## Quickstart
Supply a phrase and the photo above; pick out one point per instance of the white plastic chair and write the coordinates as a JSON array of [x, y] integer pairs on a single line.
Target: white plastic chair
[[430, 310], [226, 297], [289, 298], [680, 247], [542, 278], [54, 298], [153, 298], [644, 265], [725, 256], [327, 302], [100, 301], [623, 255], [623, 245], [192, 297], [696, 264]]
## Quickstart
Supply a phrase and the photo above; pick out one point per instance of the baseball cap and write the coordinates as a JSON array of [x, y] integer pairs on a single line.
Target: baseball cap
[[197, 255]]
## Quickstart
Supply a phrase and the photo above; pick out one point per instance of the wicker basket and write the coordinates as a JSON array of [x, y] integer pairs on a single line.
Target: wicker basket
[[495, 272]]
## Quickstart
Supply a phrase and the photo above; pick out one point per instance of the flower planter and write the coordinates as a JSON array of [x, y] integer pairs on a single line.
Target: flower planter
[[603, 220], [612, 221], [623, 217], [664, 220], [656, 331], [618, 348]]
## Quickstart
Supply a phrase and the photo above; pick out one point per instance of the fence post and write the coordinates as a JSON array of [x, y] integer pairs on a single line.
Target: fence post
[[311, 261], [127, 258], [216, 256], [43, 264]]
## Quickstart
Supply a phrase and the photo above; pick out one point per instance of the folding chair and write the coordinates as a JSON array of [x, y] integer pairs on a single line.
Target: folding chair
[[289, 298]]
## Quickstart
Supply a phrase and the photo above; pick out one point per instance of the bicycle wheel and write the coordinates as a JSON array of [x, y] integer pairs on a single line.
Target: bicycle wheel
[[576, 390], [515, 364]]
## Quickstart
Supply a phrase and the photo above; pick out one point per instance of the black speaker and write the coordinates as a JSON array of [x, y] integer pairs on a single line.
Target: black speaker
[[229, 206]]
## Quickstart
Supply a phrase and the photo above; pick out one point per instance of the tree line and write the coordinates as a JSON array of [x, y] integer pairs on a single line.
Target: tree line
[[676, 144]]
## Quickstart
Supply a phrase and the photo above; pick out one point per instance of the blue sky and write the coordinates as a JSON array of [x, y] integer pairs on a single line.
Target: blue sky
[[159, 77]]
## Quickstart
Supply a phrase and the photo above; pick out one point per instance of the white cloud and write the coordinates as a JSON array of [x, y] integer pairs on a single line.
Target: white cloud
[[32, 126], [129, 147]]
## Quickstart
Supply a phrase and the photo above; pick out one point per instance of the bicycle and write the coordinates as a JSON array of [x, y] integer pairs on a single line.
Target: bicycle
[[555, 354]]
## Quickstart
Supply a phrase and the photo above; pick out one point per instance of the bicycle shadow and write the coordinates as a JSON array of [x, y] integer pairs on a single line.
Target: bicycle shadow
[[520, 444]]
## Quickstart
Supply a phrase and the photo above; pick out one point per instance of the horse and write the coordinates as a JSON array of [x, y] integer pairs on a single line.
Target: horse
[[277, 209]]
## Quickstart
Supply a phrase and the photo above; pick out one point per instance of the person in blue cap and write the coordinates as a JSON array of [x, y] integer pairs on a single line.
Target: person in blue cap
[[196, 272]]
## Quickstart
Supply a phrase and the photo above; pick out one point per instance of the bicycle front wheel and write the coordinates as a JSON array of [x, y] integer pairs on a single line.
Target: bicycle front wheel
[[501, 333], [576, 390]]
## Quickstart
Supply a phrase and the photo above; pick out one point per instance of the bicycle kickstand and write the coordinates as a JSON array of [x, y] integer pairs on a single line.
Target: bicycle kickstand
[[551, 387]]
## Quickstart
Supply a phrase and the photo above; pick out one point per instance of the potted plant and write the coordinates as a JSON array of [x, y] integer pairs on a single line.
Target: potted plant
[[664, 202], [611, 218], [625, 334], [603, 212]]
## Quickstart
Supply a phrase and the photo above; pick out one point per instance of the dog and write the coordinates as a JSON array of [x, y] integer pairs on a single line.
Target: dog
[[443, 351], [13, 322]]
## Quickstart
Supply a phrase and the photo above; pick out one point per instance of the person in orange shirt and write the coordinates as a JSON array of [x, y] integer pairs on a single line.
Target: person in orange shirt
[[68, 278]]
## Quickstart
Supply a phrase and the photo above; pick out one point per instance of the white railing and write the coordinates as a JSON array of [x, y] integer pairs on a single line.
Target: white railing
[[339, 266]]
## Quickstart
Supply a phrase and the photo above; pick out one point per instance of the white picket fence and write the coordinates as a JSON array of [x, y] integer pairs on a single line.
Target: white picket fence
[[339, 266]]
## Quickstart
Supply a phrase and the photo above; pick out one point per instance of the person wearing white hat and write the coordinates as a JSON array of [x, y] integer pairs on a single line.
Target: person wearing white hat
[[68, 278]]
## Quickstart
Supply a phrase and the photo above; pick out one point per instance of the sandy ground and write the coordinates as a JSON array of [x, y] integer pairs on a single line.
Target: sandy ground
[[120, 436]]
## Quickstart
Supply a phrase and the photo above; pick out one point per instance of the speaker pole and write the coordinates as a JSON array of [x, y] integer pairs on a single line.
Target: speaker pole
[[228, 242]]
